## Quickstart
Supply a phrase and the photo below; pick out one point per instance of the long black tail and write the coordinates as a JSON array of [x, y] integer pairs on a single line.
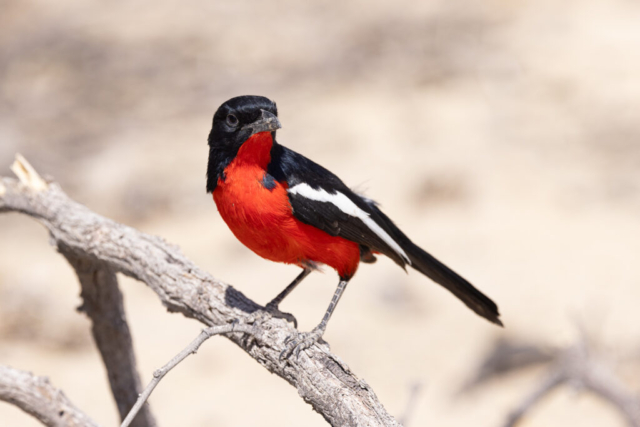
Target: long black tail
[[443, 275], [437, 271]]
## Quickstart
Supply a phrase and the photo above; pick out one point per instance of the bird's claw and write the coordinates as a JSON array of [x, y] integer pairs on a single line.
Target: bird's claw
[[273, 310], [298, 342]]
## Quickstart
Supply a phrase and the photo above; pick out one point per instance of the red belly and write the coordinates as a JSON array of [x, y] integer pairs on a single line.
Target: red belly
[[263, 221]]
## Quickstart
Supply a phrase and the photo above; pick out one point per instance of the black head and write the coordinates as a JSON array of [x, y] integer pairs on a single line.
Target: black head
[[234, 122], [239, 118]]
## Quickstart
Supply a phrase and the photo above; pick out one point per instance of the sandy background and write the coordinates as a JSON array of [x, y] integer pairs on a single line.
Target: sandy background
[[502, 136]]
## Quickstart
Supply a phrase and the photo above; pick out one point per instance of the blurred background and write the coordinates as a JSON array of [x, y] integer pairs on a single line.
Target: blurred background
[[502, 136]]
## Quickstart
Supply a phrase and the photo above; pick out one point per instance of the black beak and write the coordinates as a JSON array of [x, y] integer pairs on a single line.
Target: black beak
[[268, 122]]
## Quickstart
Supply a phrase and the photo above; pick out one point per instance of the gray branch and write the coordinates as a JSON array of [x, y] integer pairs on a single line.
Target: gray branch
[[579, 366], [102, 302], [36, 396], [320, 377]]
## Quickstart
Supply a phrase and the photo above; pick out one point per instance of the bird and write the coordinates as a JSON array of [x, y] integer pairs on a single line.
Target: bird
[[288, 209]]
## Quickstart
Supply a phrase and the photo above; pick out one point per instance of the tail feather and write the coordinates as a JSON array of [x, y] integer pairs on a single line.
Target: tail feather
[[435, 270], [443, 275]]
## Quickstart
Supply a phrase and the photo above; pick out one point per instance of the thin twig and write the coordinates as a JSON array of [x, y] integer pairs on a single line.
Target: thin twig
[[414, 392], [190, 349]]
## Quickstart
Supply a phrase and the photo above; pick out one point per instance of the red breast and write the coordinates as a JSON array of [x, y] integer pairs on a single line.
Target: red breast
[[262, 219]]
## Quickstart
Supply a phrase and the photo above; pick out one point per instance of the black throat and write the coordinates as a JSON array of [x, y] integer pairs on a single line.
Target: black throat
[[218, 161]]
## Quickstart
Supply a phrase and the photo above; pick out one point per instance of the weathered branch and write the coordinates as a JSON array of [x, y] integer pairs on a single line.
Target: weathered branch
[[190, 349], [578, 366], [102, 302], [36, 396], [320, 377]]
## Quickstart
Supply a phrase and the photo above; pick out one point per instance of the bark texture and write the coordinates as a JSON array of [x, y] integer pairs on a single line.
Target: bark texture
[[321, 378], [36, 396], [102, 302]]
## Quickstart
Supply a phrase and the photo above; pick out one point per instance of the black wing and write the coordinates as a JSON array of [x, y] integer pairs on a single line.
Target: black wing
[[295, 169]]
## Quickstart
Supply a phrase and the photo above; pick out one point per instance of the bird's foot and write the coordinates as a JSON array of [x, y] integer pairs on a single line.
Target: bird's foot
[[298, 342], [273, 310]]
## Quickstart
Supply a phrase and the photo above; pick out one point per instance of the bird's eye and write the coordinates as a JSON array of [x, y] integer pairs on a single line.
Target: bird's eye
[[232, 120]]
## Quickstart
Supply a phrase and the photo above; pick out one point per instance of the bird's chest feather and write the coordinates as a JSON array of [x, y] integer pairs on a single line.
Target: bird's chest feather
[[257, 209], [248, 199], [244, 200]]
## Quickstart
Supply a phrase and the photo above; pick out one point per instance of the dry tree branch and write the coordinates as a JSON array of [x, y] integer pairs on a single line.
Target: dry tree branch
[[579, 366], [36, 396], [190, 349], [321, 378], [102, 302]]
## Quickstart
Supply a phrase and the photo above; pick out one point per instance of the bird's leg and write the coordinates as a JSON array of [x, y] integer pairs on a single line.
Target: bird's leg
[[296, 344], [272, 306]]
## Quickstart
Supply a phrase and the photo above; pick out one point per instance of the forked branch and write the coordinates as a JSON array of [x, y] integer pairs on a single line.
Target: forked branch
[[319, 376]]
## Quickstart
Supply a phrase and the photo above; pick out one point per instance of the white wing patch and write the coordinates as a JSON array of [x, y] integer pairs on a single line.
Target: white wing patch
[[345, 204]]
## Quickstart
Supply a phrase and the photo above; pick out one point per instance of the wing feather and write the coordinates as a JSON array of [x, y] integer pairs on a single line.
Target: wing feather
[[321, 199]]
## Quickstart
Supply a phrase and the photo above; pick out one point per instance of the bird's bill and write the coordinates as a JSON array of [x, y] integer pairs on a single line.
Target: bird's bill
[[267, 123]]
